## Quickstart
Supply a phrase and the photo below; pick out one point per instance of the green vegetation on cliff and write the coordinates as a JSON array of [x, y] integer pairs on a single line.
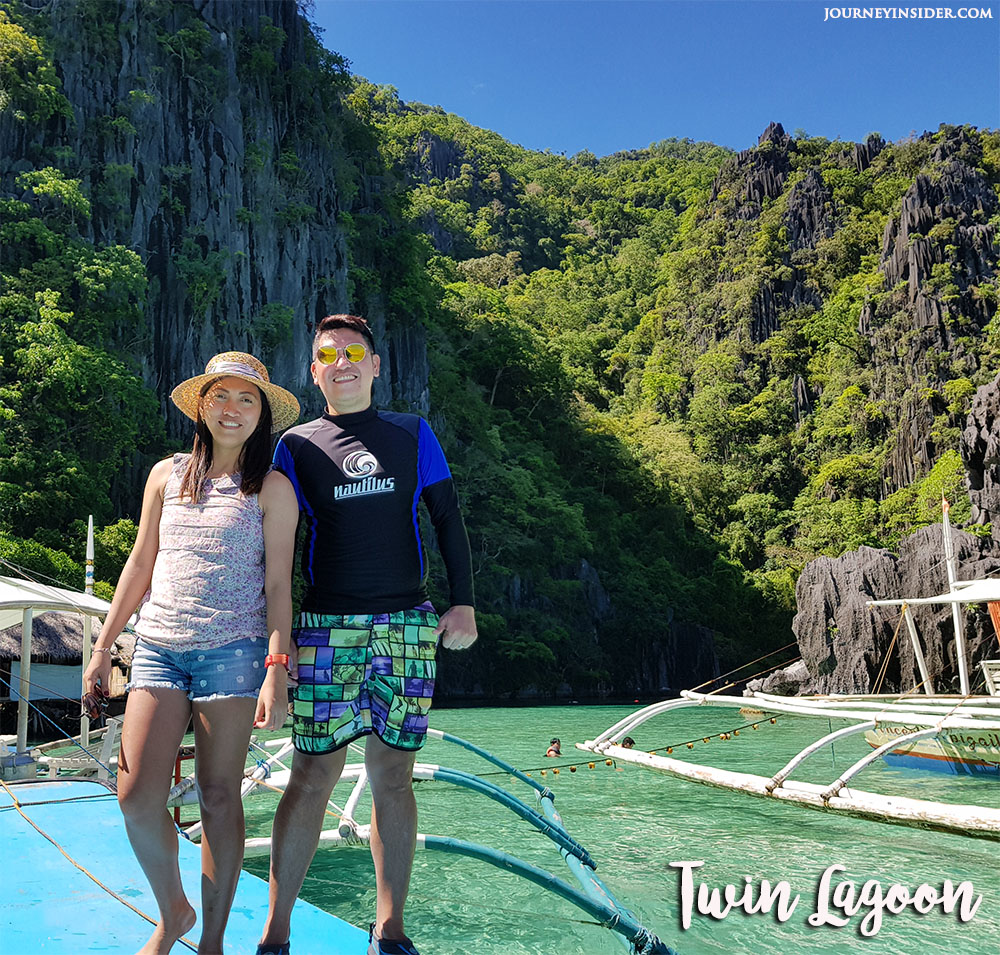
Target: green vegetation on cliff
[[665, 379]]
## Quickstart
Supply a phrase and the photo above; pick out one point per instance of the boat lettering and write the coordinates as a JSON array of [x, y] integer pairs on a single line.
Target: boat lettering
[[899, 730], [987, 742], [845, 897], [718, 905]]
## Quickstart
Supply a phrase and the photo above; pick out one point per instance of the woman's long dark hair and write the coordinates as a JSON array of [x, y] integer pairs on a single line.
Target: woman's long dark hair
[[255, 458]]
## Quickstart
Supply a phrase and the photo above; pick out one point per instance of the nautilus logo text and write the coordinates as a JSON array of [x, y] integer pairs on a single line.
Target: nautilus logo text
[[360, 464]]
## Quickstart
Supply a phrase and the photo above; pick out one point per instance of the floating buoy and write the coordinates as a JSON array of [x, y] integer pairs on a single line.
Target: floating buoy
[[608, 762], [528, 775], [555, 772], [543, 772], [572, 769], [705, 740], [736, 732], [773, 720], [754, 726], [590, 765], [670, 749], [690, 745]]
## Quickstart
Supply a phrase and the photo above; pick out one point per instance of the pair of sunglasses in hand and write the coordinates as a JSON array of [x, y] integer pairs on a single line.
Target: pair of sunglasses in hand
[[95, 704]]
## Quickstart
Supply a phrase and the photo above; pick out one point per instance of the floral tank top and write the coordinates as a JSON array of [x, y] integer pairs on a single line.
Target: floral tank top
[[208, 579]]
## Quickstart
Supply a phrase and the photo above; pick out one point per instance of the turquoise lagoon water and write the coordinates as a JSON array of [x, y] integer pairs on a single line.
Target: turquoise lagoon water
[[635, 823]]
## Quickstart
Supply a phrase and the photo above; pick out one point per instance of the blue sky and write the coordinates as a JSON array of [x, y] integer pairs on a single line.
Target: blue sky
[[606, 75]]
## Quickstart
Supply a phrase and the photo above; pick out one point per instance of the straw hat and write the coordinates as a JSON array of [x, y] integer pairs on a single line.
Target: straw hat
[[237, 364]]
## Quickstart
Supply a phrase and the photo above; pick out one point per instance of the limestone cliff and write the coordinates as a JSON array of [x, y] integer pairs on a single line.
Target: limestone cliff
[[924, 330], [204, 134], [844, 643], [981, 455]]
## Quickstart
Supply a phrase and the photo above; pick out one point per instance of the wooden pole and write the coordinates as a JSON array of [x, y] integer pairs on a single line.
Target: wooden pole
[[25, 682], [915, 641], [88, 622], [958, 620]]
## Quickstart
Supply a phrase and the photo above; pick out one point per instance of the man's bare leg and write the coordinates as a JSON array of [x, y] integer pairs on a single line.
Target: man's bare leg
[[394, 832], [295, 835]]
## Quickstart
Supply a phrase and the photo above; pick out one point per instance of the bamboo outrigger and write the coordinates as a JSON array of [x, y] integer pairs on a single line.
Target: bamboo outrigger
[[592, 896], [866, 713], [959, 734]]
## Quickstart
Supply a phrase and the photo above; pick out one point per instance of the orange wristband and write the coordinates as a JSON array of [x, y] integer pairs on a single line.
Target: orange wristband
[[272, 658]]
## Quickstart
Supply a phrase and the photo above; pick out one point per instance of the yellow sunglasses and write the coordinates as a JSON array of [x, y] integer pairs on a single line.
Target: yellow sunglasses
[[354, 353]]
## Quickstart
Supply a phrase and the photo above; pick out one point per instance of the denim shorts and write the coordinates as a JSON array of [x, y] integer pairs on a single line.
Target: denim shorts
[[234, 669]]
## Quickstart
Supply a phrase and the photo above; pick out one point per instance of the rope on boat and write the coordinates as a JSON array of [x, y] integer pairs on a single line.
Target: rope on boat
[[742, 666], [547, 768], [885, 660], [90, 875], [58, 802]]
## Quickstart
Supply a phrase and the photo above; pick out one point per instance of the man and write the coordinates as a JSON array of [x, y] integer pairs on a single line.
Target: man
[[367, 635]]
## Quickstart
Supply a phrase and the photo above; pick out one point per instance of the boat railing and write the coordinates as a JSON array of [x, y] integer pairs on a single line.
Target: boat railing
[[592, 896]]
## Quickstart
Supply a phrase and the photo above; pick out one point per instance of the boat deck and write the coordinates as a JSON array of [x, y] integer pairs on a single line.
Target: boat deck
[[54, 907]]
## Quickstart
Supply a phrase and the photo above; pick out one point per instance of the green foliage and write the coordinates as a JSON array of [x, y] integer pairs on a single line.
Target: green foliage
[[271, 326], [203, 272], [656, 409], [73, 416], [18, 556], [65, 194], [918, 505], [29, 86]]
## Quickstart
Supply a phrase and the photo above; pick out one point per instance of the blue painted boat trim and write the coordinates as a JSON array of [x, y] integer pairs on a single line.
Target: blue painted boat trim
[[53, 908], [936, 764]]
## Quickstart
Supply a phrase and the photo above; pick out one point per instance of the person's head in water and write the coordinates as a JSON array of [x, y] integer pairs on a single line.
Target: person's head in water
[[628, 742], [554, 747]]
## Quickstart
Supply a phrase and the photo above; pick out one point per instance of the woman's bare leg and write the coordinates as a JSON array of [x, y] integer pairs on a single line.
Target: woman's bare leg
[[221, 734], [155, 721]]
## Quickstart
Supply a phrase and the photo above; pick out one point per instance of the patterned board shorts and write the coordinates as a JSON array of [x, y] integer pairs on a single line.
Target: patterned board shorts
[[360, 674]]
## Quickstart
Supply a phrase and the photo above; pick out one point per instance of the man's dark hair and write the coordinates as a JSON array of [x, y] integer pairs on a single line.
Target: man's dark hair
[[354, 322]]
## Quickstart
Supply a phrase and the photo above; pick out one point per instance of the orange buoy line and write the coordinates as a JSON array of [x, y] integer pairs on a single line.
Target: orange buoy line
[[728, 734], [550, 768]]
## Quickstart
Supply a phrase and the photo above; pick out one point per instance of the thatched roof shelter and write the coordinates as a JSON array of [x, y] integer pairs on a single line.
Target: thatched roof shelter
[[57, 637]]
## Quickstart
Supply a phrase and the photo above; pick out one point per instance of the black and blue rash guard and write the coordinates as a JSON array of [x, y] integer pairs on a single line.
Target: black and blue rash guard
[[358, 478]]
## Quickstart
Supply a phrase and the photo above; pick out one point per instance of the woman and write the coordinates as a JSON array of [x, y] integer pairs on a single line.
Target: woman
[[211, 567]]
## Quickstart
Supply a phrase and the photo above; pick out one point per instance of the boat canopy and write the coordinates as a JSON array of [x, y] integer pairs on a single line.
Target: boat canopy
[[16, 596], [985, 590]]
